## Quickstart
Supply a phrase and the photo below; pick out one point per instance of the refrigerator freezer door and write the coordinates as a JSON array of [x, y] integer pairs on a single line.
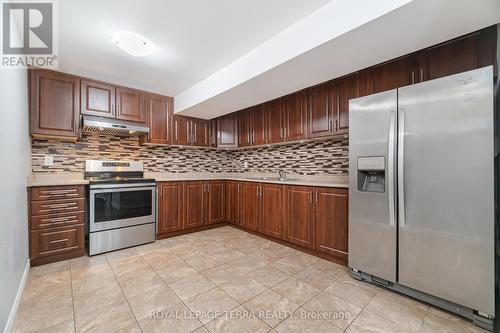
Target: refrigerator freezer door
[[446, 188], [372, 220]]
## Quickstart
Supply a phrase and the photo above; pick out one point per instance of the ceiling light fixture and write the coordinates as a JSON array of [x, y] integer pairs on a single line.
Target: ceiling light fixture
[[134, 44]]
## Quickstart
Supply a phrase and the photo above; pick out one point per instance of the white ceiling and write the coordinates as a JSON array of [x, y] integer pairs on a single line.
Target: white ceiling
[[193, 38]]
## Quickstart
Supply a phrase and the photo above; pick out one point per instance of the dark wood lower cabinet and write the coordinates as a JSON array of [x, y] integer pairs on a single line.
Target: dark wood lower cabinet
[[195, 203], [250, 205], [271, 210], [170, 208], [299, 217], [215, 190], [331, 221], [233, 202]]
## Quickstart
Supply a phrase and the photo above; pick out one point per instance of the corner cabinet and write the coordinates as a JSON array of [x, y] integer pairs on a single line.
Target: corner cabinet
[[227, 131], [188, 131], [54, 105], [159, 119]]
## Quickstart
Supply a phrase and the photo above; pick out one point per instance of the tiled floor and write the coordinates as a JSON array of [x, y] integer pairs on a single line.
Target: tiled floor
[[220, 280]]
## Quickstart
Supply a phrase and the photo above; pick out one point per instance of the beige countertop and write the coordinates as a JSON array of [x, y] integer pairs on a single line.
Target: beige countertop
[[292, 179], [70, 178], [55, 179]]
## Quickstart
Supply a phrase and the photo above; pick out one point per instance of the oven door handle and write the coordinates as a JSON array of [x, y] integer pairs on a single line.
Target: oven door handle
[[121, 189], [121, 186]]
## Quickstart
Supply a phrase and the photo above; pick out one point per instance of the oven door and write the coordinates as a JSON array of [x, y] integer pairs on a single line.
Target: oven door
[[117, 206]]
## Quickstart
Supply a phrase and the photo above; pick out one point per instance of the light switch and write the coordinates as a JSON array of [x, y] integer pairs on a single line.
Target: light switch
[[49, 160]]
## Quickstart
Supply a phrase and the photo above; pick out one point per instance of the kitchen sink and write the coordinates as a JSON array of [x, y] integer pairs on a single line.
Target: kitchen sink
[[271, 178]]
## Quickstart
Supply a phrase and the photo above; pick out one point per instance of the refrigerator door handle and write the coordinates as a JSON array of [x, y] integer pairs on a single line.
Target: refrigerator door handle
[[401, 177], [390, 169]]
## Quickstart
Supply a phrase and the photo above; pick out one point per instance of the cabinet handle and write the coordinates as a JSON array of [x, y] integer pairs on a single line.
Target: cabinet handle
[[412, 77], [421, 75], [257, 190], [336, 124], [281, 133], [238, 188], [317, 199], [57, 219], [330, 125], [311, 198], [208, 188], [59, 241]]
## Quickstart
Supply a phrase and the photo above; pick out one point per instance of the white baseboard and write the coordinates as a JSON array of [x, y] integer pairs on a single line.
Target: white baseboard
[[12, 316]]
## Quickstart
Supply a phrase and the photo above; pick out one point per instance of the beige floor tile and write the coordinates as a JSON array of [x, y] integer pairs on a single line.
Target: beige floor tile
[[98, 298], [113, 317], [130, 329], [37, 320], [161, 258], [437, 321], [304, 259], [368, 322], [176, 272], [338, 311], [221, 274], [177, 319], [246, 264], [152, 301], [127, 265], [288, 265], [43, 296], [352, 290], [296, 290], [408, 314], [171, 242], [203, 261], [201, 330], [50, 268], [146, 248], [135, 283], [302, 322], [243, 288], [64, 327], [268, 276], [225, 254], [36, 282], [210, 304], [95, 269], [87, 261], [319, 275], [191, 286], [238, 320], [271, 308], [92, 283], [120, 254]]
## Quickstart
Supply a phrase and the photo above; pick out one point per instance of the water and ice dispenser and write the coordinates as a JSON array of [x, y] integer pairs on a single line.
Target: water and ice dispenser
[[371, 174]]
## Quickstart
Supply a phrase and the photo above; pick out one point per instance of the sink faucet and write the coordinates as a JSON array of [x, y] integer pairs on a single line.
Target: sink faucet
[[282, 174]]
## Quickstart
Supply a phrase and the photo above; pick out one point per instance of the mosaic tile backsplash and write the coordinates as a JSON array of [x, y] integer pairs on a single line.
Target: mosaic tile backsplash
[[310, 158]]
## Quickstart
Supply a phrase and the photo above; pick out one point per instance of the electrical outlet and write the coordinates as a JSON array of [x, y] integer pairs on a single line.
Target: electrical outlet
[[245, 165], [49, 160]]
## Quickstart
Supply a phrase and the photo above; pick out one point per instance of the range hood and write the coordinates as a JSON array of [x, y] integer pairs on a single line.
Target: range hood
[[112, 126]]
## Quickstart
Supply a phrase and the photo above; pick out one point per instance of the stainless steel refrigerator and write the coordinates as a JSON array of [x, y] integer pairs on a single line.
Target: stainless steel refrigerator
[[421, 192]]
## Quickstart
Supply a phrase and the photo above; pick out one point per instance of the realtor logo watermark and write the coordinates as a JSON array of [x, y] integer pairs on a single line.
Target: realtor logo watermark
[[29, 34]]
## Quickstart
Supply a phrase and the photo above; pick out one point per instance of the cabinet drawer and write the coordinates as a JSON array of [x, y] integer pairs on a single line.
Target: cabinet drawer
[[57, 240], [56, 220], [60, 206], [57, 192]]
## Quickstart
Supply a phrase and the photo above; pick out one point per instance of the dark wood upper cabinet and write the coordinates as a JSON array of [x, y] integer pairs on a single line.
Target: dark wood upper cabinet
[[299, 217], [181, 130], [271, 211], [349, 87], [331, 221], [259, 124], [250, 205], [170, 207], [215, 190], [199, 132], [159, 118], [245, 127], [54, 105], [274, 119], [295, 116], [227, 131], [130, 105], [233, 202], [195, 203], [212, 133], [391, 75], [322, 106], [98, 99]]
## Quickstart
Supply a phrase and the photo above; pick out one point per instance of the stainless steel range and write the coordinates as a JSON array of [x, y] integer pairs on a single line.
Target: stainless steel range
[[121, 201]]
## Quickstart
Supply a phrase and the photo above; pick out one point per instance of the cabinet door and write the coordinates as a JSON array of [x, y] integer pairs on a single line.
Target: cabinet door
[[130, 105], [331, 221], [216, 199], [98, 99], [212, 133], [170, 207], [348, 87], [245, 132], [233, 202], [195, 203], [199, 132], [295, 116], [181, 128], [391, 75], [159, 114], [271, 219], [274, 120], [55, 103], [258, 127], [322, 105], [299, 215], [227, 131], [250, 205]]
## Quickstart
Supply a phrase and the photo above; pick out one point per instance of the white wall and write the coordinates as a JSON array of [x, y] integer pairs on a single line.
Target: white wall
[[15, 164]]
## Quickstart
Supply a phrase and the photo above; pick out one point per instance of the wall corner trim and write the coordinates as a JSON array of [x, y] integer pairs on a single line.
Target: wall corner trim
[[12, 316]]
